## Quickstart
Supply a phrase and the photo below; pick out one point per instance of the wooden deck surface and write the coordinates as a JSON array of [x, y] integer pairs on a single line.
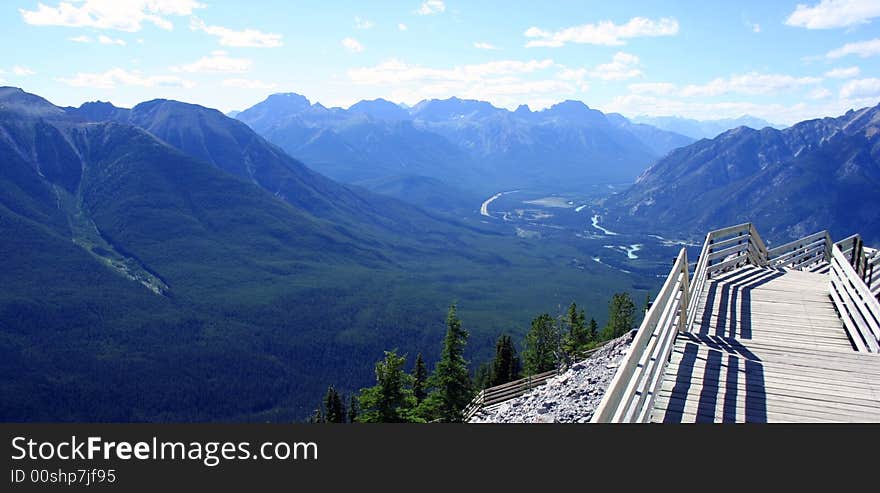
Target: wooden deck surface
[[767, 346]]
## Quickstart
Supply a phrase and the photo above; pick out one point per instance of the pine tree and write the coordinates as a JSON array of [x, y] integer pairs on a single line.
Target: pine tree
[[391, 399], [621, 316], [353, 409], [578, 337], [593, 330], [451, 380], [334, 410], [506, 365], [483, 376], [542, 345], [420, 377], [317, 417]]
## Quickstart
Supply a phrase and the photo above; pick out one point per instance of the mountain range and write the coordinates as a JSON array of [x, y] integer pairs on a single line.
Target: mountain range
[[466, 146], [703, 129], [817, 174]]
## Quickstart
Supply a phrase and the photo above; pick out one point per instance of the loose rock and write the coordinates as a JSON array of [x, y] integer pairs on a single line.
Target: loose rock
[[571, 397]]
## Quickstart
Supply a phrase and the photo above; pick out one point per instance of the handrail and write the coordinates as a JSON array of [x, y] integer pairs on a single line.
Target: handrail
[[630, 396], [506, 391], [802, 253], [873, 278], [850, 287]]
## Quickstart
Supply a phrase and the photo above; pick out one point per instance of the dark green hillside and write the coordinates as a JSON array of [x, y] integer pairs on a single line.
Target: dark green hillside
[[142, 282], [232, 146]]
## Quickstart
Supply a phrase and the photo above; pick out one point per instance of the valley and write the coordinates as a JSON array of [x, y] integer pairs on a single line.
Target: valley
[[574, 220]]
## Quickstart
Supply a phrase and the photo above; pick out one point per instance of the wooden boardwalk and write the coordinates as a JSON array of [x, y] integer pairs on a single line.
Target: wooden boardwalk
[[767, 345]]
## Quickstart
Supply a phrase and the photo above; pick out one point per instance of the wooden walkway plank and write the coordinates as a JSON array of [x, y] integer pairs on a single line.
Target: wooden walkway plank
[[768, 345]]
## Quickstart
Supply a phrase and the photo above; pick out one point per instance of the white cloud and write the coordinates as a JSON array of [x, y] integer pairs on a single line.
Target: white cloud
[[107, 40], [431, 7], [652, 88], [360, 23], [829, 14], [395, 71], [80, 39], [352, 45], [247, 38], [819, 93], [756, 28], [863, 49], [248, 84], [861, 88], [121, 15], [604, 33], [22, 71], [750, 83], [623, 66], [480, 45], [402, 27], [639, 104], [843, 73], [218, 63], [572, 74], [118, 76]]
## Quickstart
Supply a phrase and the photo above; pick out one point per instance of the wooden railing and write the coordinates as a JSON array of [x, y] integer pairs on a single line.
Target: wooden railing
[[873, 280], [630, 396], [504, 392], [864, 261], [854, 291], [802, 253]]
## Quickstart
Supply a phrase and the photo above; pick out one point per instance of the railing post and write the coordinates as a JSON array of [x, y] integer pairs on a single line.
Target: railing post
[[828, 246], [683, 315], [708, 252], [854, 253]]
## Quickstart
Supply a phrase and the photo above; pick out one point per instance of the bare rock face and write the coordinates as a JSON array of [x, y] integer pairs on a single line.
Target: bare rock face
[[571, 397]]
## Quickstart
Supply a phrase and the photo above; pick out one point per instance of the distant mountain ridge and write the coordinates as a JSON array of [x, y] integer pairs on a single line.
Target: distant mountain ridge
[[817, 174], [467, 145], [703, 129]]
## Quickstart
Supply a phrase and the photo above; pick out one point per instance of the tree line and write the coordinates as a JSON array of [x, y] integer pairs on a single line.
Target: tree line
[[441, 396]]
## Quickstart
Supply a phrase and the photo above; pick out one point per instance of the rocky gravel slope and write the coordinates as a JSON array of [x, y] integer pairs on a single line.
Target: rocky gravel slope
[[571, 397]]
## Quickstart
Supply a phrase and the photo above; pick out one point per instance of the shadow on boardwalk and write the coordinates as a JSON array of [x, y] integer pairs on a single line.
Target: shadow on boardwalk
[[727, 361]]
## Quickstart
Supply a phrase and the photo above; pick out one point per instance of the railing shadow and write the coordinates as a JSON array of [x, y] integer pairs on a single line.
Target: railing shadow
[[732, 319], [723, 362], [725, 368]]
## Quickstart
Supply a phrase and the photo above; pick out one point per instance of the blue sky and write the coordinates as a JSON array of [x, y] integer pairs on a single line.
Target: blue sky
[[782, 61]]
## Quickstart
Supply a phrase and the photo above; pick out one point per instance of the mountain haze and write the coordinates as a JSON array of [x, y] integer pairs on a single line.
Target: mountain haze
[[703, 129], [465, 145]]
